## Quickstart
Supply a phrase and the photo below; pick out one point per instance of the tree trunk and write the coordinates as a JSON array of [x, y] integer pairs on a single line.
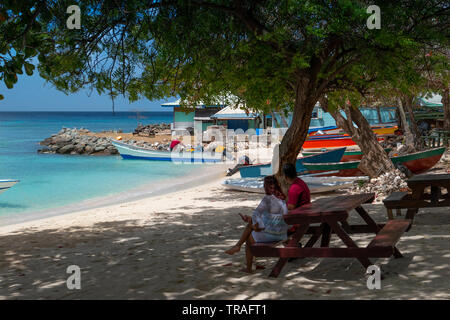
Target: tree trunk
[[408, 103], [296, 134], [399, 120], [375, 160], [446, 103], [409, 138], [380, 120]]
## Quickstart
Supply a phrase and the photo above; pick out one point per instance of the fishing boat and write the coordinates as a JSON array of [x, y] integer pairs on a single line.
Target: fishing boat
[[380, 129], [5, 184], [261, 170], [349, 155], [417, 162], [329, 141], [315, 184], [128, 151], [327, 129]]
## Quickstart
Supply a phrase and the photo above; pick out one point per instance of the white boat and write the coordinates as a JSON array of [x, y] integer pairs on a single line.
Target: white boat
[[128, 151], [5, 184], [315, 184]]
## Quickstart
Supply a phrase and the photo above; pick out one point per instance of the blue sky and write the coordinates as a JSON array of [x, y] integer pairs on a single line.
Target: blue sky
[[31, 93]]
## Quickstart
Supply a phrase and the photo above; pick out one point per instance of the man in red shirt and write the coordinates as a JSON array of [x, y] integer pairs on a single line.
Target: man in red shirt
[[298, 194]]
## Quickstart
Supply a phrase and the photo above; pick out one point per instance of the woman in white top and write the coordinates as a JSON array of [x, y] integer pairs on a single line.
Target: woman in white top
[[267, 223]]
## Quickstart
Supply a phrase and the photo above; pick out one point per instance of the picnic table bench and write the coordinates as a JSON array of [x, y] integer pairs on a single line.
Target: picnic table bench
[[330, 216], [419, 198]]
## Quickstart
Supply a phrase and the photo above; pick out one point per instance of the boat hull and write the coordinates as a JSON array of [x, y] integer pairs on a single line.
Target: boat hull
[[348, 155], [261, 170], [319, 143], [315, 185], [385, 130], [327, 129], [330, 141], [5, 184], [136, 153], [377, 129], [418, 162]]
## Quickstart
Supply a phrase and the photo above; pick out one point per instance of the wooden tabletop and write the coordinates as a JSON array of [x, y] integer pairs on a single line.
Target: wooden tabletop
[[430, 179], [323, 209]]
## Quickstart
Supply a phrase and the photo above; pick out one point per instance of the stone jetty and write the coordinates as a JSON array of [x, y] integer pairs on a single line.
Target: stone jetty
[[84, 142]]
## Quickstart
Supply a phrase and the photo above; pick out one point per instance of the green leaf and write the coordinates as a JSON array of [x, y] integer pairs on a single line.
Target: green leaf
[[1, 97], [29, 68], [8, 82]]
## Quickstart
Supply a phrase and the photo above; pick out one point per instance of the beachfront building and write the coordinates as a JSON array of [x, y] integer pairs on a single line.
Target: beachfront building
[[435, 101], [320, 118], [203, 116], [430, 110], [237, 118], [185, 119]]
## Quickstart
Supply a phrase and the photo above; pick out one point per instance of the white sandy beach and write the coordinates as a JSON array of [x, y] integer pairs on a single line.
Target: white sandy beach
[[172, 247]]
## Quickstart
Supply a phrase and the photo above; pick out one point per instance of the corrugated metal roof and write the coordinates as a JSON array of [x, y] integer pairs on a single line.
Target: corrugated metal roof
[[234, 113], [200, 104], [434, 101]]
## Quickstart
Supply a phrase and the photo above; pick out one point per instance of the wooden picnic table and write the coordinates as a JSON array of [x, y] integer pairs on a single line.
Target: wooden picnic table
[[419, 198], [330, 217]]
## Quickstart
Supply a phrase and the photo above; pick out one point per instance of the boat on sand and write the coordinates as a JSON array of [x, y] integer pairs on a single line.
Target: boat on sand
[[315, 184], [416, 163], [261, 170]]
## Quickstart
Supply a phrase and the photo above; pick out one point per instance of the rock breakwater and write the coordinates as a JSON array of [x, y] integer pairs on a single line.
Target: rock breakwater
[[84, 142]]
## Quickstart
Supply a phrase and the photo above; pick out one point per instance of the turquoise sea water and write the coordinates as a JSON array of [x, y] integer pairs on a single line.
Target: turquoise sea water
[[49, 181]]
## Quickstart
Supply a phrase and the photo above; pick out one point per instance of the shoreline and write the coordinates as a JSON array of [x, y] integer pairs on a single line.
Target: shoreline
[[197, 177]]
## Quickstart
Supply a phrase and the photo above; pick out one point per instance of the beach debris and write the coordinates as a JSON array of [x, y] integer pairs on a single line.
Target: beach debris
[[382, 186]]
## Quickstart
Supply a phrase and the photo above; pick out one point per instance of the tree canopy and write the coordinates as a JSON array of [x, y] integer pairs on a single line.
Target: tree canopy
[[271, 54], [258, 50]]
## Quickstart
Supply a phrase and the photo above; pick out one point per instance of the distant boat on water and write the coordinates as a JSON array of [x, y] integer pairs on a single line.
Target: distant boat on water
[[128, 151], [5, 184], [417, 162]]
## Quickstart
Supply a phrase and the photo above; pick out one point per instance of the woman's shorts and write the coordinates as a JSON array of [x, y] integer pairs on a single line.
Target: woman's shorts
[[262, 236]]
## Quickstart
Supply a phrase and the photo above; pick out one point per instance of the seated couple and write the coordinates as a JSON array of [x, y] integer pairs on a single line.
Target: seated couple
[[267, 223]]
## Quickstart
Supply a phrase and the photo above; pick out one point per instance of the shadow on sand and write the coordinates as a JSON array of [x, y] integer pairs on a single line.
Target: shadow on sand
[[181, 256]]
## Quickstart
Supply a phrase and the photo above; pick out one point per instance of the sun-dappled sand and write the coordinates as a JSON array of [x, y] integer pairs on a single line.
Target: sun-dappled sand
[[172, 247]]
